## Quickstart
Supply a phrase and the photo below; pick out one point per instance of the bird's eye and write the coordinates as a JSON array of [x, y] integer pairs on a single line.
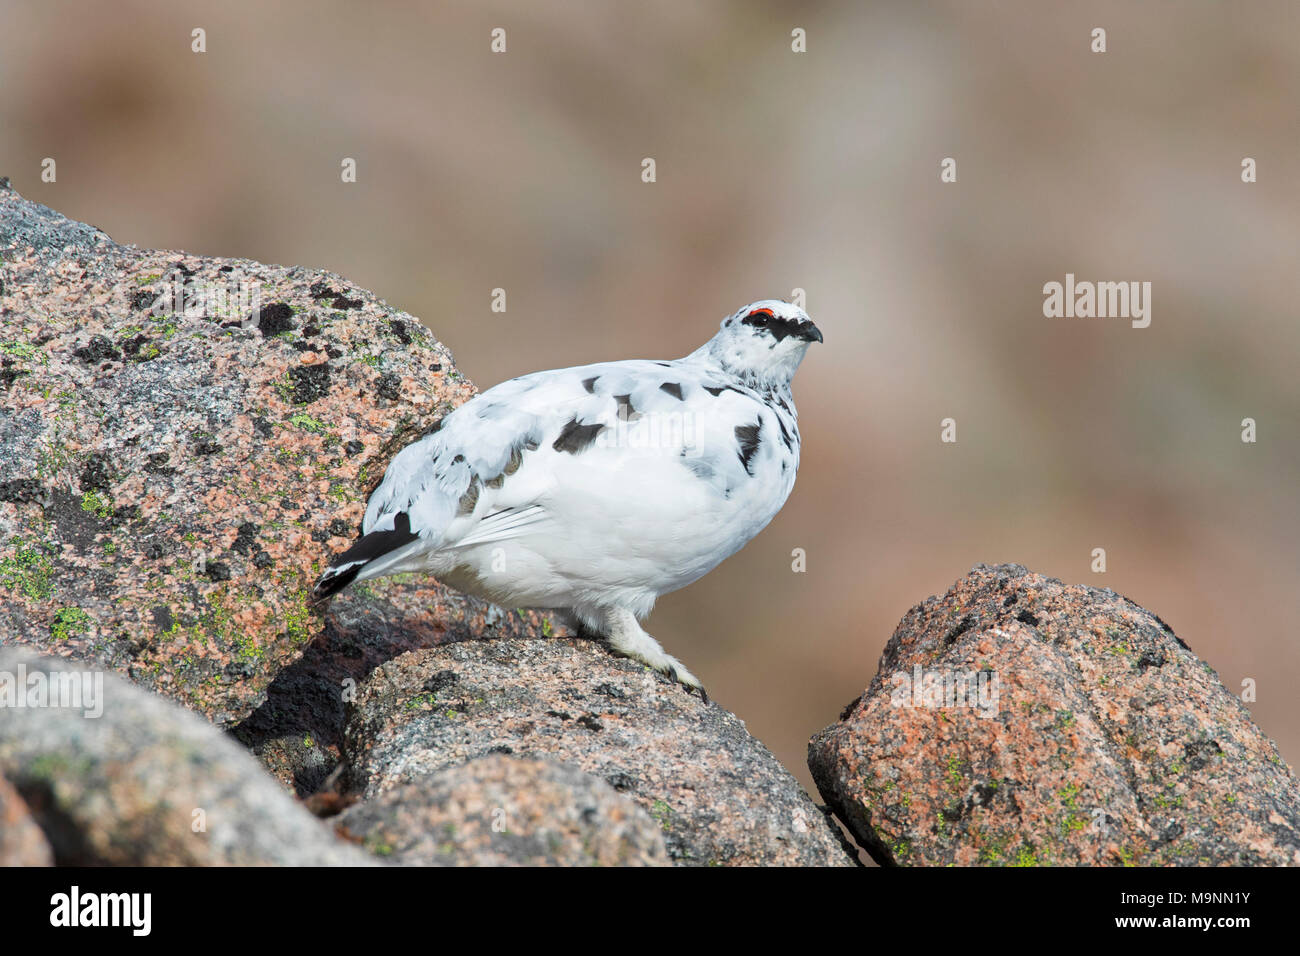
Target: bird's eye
[[759, 318]]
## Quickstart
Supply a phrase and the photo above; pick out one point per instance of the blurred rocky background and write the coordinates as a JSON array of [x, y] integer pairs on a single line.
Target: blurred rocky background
[[779, 170]]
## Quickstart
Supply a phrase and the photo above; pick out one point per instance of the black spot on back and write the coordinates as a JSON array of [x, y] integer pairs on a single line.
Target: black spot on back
[[626, 412], [469, 500], [672, 388], [516, 459], [590, 384], [575, 437], [747, 437]]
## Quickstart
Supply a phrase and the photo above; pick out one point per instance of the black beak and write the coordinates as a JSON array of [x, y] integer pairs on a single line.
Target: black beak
[[809, 331]]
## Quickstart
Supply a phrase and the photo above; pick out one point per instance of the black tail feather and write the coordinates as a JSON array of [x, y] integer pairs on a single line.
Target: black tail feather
[[365, 549], [331, 584]]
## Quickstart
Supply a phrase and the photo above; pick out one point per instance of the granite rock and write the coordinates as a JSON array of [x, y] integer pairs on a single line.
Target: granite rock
[[184, 441], [120, 776], [499, 810], [718, 795], [1019, 720]]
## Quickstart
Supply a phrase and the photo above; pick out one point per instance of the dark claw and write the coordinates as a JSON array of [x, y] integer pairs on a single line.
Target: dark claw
[[704, 694]]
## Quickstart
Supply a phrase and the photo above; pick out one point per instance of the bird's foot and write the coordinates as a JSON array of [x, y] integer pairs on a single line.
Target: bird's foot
[[627, 638]]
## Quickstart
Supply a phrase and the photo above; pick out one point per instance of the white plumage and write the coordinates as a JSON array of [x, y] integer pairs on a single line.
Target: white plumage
[[593, 490]]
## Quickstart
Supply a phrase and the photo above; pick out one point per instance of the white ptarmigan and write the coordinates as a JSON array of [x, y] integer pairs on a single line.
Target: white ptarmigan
[[593, 490]]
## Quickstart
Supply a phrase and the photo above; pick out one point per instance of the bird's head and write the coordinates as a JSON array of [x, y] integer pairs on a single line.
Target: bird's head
[[764, 342]]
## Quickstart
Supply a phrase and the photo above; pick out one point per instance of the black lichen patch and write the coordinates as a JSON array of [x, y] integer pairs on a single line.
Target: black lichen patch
[[132, 346], [1027, 617], [163, 619], [1170, 631], [400, 331], [310, 382], [343, 302], [9, 374], [1150, 659], [389, 386], [204, 443], [262, 559], [245, 538], [354, 448], [672, 388], [274, 319], [217, 571], [96, 474], [441, 681], [576, 437], [748, 440], [1201, 752], [98, 349], [590, 384], [20, 490], [964, 625]]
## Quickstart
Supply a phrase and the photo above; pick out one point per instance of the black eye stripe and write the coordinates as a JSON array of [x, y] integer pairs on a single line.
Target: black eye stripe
[[778, 327]]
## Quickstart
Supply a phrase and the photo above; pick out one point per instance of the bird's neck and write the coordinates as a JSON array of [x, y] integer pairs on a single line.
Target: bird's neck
[[774, 379]]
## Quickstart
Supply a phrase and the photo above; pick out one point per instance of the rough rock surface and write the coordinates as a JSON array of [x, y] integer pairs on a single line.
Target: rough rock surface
[[1110, 741], [297, 730], [147, 783], [21, 841], [175, 471], [500, 810], [719, 796]]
